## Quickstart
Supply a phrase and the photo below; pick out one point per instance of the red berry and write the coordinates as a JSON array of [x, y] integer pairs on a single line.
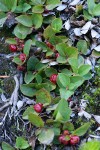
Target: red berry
[[22, 57], [74, 140], [49, 45], [13, 48], [53, 78], [38, 107], [57, 55], [62, 140], [66, 132], [21, 68]]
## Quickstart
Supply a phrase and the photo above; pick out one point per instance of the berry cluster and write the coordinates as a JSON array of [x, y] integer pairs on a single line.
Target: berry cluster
[[18, 46], [66, 138]]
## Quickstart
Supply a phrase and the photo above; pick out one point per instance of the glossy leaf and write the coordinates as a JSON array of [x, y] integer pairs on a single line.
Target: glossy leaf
[[21, 31], [51, 4], [62, 112], [38, 9], [24, 20], [43, 96], [46, 136], [57, 24], [63, 80], [27, 47], [28, 111], [82, 130], [37, 20], [21, 143], [84, 69], [6, 146], [27, 90], [29, 76], [96, 10], [36, 120]]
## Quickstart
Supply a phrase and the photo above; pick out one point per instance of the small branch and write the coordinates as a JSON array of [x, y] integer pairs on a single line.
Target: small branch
[[4, 106], [4, 76]]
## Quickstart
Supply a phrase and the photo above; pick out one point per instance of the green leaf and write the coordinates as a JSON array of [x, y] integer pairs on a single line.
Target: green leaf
[[67, 72], [72, 52], [38, 78], [27, 90], [46, 136], [6, 146], [61, 59], [64, 93], [28, 111], [82, 130], [91, 5], [38, 9], [27, 47], [68, 126], [31, 63], [57, 24], [50, 71], [43, 96], [82, 46], [22, 8], [61, 48], [90, 145], [11, 41], [38, 2], [8, 5], [3, 18], [74, 64], [24, 20], [37, 20], [48, 32], [64, 50], [63, 80], [29, 76], [36, 120], [62, 112], [75, 82], [17, 60], [87, 15], [84, 69], [21, 143], [42, 45], [21, 31], [51, 4], [96, 10], [88, 76]]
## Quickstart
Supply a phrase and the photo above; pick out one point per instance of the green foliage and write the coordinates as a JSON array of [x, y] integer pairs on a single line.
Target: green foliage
[[91, 145], [62, 112], [21, 143], [27, 47], [43, 96], [93, 10], [6, 146], [82, 130], [57, 24], [36, 120], [41, 63], [46, 136]]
